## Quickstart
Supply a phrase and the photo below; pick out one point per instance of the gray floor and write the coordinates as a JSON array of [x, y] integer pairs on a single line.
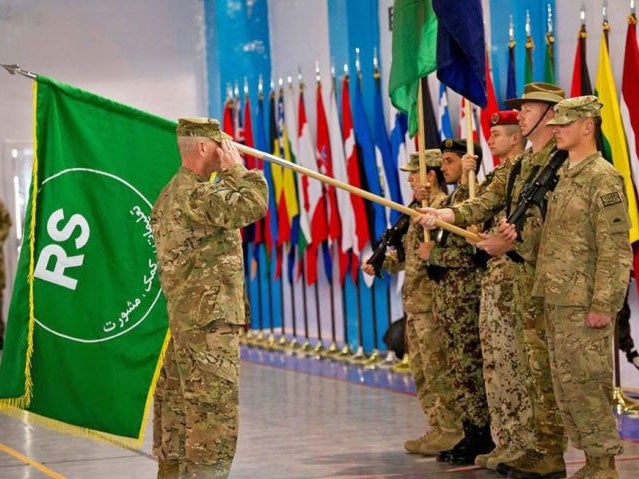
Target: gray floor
[[293, 425]]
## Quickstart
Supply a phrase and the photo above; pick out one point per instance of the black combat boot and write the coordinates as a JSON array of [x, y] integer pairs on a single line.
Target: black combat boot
[[477, 440]]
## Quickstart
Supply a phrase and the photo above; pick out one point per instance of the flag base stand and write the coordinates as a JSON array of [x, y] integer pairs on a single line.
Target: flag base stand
[[270, 342], [331, 352], [623, 404], [374, 360], [403, 367], [292, 347], [345, 353], [359, 357], [259, 340], [318, 350], [306, 349], [389, 360], [247, 338]]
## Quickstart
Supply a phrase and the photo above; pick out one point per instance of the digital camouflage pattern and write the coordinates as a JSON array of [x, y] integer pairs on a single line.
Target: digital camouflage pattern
[[457, 297], [584, 265], [428, 362], [5, 225], [548, 427], [196, 228]]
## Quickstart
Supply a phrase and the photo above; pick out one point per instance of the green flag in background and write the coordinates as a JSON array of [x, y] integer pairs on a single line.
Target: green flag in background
[[88, 323], [414, 54]]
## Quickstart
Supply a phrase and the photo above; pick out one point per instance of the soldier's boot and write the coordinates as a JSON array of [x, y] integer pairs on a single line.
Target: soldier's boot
[[597, 468], [168, 470], [193, 471], [442, 442], [508, 454], [536, 465], [413, 446], [477, 440]]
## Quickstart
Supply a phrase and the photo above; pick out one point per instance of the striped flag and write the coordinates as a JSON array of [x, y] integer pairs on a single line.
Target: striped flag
[[489, 162], [511, 80], [614, 140], [444, 128], [581, 84]]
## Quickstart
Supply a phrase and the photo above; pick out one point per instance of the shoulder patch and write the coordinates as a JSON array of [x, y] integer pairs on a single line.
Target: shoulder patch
[[610, 199]]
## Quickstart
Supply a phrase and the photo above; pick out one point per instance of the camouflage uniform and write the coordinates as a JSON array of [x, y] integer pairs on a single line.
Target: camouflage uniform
[[196, 228], [457, 298], [584, 263], [548, 427], [428, 361], [5, 224]]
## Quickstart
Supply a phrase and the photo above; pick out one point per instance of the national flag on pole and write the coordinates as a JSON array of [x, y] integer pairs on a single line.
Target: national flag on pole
[[368, 164], [362, 231], [528, 67], [269, 223], [249, 232], [413, 54], [282, 220], [431, 131], [511, 80], [549, 63], [313, 205], [614, 139], [228, 117], [489, 162], [386, 163], [399, 153], [581, 84], [331, 222], [461, 56], [88, 322], [444, 128], [630, 110]]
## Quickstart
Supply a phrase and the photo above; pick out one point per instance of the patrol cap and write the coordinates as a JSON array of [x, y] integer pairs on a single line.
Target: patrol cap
[[433, 160], [572, 109], [205, 127], [458, 145], [505, 117], [543, 92]]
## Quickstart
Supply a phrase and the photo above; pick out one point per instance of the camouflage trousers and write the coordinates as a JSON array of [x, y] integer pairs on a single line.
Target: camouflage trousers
[[581, 363], [547, 423], [457, 306], [195, 423], [429, 367], [506, 374]]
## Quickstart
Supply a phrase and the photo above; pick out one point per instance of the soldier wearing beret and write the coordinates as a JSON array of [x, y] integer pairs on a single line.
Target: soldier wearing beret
[[501, 334], [456, 294], [544, 459], [5, 225], [582, 275], [196, 228], [428, 362]]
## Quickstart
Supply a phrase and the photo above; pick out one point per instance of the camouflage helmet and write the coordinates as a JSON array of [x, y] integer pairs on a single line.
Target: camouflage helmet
[[433, 160], [202, 127], [572, 109]]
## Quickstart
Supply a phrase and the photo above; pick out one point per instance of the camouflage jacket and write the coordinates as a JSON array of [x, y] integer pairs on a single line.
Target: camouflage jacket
[[417, 289], [492, 199], [585, 256], [196, 228]]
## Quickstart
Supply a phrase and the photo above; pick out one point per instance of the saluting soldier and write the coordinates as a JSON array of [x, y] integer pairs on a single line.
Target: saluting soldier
[[196, 228], [428, 362]]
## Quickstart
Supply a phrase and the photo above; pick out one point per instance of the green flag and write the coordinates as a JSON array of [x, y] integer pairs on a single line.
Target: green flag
[[549, 63], [88, 322], [414, 54], [528, 70]]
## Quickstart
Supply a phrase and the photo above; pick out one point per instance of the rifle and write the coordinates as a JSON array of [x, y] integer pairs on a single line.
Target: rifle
[[535, 191], [391, 237]]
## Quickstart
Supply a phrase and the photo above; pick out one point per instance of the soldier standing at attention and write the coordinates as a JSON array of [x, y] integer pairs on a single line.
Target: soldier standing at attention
[[5, 225], [501, 333], [544, 460], [582, 275], [196, 228], [456, 291], [428, 362]]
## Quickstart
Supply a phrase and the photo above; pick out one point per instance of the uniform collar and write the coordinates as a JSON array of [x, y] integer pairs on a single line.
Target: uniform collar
[[575, 170], [541, 157]]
